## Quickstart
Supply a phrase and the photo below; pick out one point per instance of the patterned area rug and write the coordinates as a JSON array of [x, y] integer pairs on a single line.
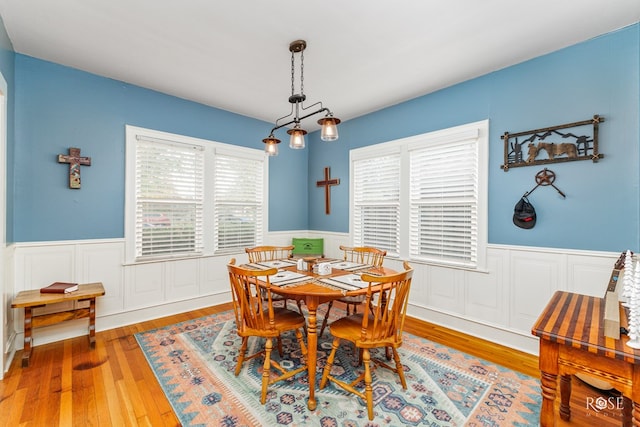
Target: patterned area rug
[[194, 362]]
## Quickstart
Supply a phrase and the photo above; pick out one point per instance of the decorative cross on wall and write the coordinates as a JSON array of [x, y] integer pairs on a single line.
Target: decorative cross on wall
[[75, 160], [327, 183]]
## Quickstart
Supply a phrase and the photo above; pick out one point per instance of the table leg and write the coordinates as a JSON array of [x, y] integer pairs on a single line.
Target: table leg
[[635, 395], [565, 397], [627, 412], [636, 414], [92, 322], [312, 356], [26, 352], [548, 360]]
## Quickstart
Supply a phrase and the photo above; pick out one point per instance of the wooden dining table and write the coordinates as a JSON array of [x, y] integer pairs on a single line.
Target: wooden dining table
[[314, 292]]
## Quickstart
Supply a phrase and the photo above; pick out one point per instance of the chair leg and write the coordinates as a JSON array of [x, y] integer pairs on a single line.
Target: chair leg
[[329, 364], [355, 309], [280, 351], [301, 313], [241, 354], [368, 389], [266, 368], [303, 347], [399, 368], [326, 318]]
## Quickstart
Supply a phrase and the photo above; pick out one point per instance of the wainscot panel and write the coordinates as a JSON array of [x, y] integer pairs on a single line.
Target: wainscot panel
[[534, 277], [144, 285], [445, 288], [182, 279], [500, 304], [484, 294], [103, 263]]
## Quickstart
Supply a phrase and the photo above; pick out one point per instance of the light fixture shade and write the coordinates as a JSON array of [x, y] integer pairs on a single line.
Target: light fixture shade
[[271, 145], [297, 137], [329, 130]]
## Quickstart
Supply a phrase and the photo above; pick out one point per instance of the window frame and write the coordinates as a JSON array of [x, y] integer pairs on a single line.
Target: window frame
[[479, 131], [210, 148]]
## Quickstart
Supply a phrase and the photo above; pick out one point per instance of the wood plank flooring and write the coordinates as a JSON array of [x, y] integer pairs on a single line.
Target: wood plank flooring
[[68, 384]]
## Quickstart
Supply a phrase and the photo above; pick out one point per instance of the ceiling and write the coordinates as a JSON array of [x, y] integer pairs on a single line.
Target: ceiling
[[361, 55]]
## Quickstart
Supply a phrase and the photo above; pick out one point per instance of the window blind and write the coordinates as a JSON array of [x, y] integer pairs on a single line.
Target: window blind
[[376, 199], [169, 198], [238, 198], [443, 202]]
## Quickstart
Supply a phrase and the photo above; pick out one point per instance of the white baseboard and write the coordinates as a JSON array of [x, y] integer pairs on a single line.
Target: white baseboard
[[493, 333]]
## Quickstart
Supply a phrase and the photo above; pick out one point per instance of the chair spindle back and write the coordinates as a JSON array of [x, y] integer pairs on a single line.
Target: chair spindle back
[[252, 303], [387, 298], [364, 255], [269, 253]]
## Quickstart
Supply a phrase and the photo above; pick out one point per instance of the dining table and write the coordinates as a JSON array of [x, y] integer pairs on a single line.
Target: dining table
[[314, 289]]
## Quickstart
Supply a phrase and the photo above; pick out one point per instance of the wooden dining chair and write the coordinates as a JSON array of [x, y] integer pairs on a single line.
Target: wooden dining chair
[[381, 326], [362, 255], [257, 317], [271, 253]]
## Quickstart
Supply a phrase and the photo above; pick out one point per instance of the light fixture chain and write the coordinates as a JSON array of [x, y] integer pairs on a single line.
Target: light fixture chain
[[302, 72], [292, 74]]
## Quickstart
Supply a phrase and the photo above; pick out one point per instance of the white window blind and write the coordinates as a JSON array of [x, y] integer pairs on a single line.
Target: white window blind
[[444, 202], [376, 202], [238, 198], [424, 197], [169, 198], [190, 197]]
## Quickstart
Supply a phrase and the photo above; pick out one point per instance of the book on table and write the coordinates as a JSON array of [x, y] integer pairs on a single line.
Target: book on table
[[59, 288]]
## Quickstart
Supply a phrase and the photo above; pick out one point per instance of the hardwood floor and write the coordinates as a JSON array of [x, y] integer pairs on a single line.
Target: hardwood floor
[[68, 384]]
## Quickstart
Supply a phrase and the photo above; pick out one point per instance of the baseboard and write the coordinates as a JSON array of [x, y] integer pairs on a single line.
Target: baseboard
[[479, 330], [10, 345]]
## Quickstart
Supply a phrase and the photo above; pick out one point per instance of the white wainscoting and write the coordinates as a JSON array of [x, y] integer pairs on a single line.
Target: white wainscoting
[[500, 305]]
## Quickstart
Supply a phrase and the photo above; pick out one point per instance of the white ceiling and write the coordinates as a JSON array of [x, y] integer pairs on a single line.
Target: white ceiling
[[361, 55]]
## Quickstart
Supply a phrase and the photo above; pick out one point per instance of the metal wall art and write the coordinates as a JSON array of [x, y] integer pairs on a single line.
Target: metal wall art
[[545, 177], [551, 145]]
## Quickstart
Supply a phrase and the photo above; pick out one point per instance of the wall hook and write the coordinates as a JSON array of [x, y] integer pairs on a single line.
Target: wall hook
[[545, 177]]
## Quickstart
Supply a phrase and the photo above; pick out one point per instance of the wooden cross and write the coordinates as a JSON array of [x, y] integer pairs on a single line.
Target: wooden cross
[[327, 183], [74, 161]]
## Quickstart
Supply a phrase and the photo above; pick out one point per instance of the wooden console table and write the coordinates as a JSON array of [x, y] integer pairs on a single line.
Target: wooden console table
[[572, 339], [33, 299]]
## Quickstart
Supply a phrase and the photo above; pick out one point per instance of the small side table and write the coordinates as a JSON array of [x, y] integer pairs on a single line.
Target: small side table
[[572, 340], [33, 298]]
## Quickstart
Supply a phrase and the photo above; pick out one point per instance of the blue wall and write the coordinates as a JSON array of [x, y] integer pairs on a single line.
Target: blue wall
[[57, 107], [600, 76], [7, 67]]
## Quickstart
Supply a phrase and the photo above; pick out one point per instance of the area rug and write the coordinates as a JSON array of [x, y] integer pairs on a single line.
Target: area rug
[[194, 362]]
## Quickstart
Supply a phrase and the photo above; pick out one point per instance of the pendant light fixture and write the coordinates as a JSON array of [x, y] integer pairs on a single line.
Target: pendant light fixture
[[329, 124]]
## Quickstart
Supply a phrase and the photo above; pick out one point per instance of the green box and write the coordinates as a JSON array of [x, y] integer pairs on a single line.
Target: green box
[[308, 247]]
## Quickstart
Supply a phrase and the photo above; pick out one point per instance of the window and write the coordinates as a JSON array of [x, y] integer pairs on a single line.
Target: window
[[425, 197], [376, 202], [238, 198], [169, 198], [191, 197]]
